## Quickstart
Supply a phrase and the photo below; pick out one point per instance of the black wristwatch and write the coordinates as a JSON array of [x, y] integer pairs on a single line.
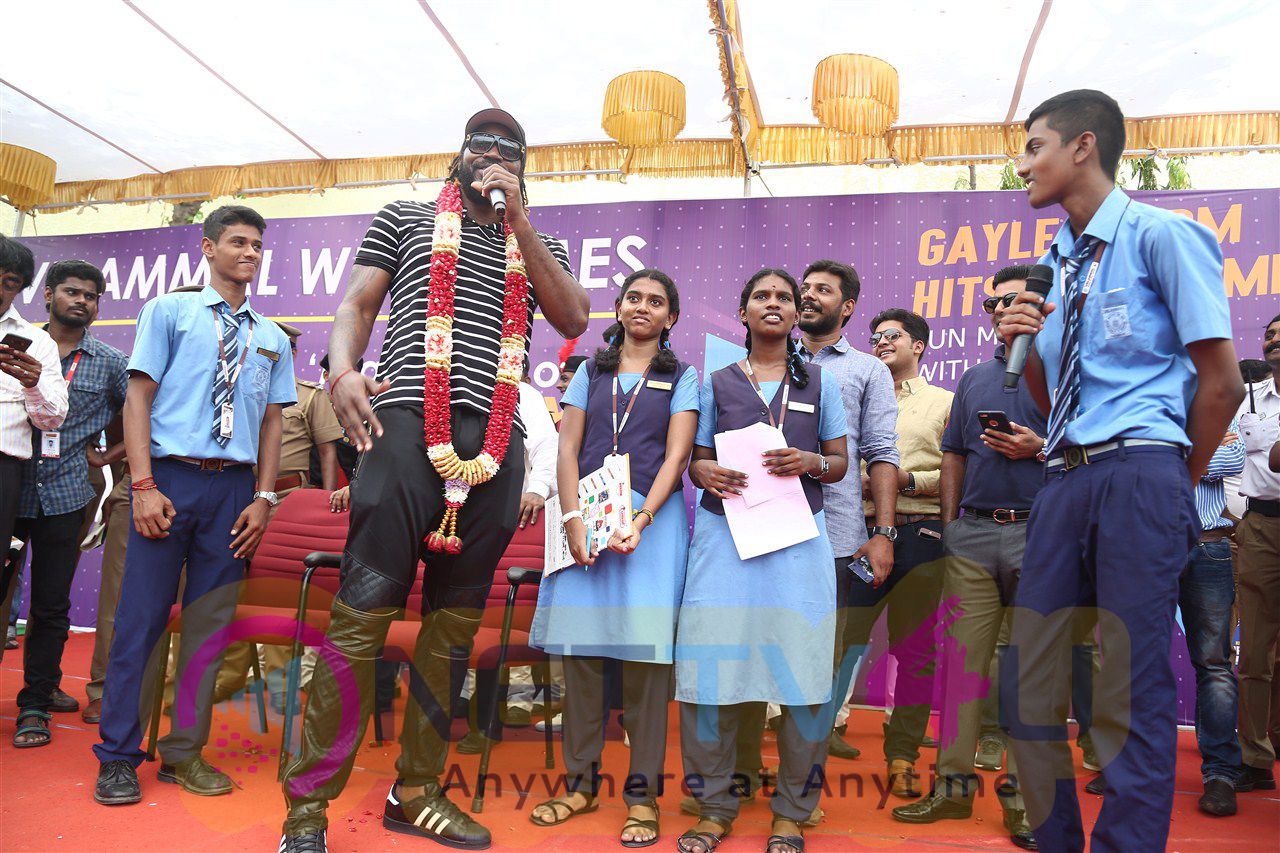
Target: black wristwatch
[[890, 533], [910, 488]]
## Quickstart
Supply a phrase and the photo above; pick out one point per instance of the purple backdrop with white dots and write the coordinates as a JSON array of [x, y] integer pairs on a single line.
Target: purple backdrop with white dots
[[932, 252]]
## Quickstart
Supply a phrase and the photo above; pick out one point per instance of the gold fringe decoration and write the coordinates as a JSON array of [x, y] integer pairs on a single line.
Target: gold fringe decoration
[[26, 176], [778, 144], [854, 93], [643, 108]]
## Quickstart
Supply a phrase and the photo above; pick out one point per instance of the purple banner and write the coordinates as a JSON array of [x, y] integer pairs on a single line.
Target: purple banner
[[932, 252]]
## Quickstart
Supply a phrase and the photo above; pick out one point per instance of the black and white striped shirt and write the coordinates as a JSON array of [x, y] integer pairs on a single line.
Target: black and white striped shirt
[[399, 241]]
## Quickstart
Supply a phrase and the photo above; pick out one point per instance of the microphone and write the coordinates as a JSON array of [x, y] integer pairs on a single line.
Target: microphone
[[498, 199], [1039, 280]]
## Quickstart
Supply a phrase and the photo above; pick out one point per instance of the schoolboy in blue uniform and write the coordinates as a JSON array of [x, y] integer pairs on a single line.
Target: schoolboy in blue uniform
[[208, 379], [1139, 364]]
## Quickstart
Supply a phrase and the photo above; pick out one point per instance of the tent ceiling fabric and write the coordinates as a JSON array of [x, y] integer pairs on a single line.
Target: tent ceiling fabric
[[346, 92]]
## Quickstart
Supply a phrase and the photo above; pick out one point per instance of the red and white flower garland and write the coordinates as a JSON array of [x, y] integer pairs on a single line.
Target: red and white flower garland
[[459, 474]]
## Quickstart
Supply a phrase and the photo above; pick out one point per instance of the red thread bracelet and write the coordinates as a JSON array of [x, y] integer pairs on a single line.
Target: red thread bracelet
[[146, 484], [333, 383]]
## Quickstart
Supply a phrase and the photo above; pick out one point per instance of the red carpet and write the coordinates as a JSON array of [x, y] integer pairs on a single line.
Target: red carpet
[[46, 797]]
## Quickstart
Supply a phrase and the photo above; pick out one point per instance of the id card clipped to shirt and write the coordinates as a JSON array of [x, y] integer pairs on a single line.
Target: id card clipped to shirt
[[50, 444]]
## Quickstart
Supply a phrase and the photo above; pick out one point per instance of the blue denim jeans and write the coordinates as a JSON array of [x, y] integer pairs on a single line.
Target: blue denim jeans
[[1206, 593]]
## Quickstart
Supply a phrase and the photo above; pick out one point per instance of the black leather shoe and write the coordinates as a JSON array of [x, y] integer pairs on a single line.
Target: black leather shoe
[[1256, 779], [1219, 798], [1096, 786], [436, 818], [117, 784], [312, 842], [61, 703], [1015, 820], [838, 747], [933, 808]]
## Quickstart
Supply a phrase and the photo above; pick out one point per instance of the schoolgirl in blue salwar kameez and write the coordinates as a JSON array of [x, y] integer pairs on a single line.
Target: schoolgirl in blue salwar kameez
[[618, 607], [761, 629]]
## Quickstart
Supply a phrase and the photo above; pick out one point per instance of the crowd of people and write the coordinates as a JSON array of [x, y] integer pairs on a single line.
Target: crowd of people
[[1036, 529]]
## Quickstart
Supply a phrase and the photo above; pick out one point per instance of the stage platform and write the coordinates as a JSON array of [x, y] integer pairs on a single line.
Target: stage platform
[[46, 796]]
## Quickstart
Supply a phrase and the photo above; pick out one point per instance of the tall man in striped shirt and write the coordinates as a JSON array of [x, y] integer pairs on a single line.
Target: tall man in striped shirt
[[396, 498]]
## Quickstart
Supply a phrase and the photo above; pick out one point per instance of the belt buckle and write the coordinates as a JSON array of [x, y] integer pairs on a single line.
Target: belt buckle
[[210, 464], [1003, 516], [1074, 457]]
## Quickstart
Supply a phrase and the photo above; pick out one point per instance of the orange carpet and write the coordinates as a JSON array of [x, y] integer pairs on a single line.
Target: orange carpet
[[46, 796]]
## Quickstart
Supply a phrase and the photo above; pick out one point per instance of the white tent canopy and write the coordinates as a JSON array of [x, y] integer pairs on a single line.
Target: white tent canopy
[[116, 88]]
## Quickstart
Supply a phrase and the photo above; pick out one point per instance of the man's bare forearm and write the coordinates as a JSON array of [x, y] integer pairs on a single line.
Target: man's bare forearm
[[269, 448], [953, 468], [137, 425], [354, 319], [563, 301], [884, 491]]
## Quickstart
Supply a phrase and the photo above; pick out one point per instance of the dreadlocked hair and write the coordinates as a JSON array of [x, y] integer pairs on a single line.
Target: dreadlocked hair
[[795, 364], [608, 358]]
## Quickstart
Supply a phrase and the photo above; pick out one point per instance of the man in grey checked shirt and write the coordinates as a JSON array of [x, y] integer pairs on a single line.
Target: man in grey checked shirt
[[828, 296]]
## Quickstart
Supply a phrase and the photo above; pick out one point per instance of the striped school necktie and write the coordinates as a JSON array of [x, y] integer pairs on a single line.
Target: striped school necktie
[[221, 388], [1067, 399]]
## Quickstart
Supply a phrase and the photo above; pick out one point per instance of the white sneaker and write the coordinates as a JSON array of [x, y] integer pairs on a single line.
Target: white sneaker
[[556, 724]]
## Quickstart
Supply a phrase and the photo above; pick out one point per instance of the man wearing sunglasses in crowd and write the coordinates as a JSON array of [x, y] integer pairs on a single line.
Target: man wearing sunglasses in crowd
[[991, 469], [910, 592], [397, 495]]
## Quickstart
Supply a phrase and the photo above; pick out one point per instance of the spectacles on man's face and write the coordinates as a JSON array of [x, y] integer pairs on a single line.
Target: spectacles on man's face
[[989, 304], [889, 335], [508, 149]]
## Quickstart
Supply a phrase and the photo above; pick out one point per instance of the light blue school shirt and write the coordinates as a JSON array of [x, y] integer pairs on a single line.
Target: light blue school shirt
[[177, 346], [1159, 288]]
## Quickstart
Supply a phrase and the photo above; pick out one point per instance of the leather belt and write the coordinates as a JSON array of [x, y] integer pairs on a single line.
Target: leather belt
[[289, 481], [1271, 509], [903, 518], [206, 464], [1000, 516], [1217, 534], [1075, 456]]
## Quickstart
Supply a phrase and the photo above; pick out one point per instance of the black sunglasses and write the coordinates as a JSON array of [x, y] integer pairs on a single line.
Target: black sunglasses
[[508, 149], [989, 304]]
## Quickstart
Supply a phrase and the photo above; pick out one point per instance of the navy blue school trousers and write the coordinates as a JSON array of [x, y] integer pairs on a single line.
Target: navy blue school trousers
[[1112, 534], [207, 504]]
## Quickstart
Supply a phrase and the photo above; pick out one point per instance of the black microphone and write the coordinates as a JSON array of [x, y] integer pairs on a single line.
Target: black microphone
[[498, 199], [1039, 280]]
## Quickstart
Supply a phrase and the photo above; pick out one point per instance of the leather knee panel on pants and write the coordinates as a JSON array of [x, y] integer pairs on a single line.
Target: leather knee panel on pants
[[366, 590]]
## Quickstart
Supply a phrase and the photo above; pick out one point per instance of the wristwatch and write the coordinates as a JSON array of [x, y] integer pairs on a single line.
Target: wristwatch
[[890, 533], [270, 497], [826, 466], [910, 488]]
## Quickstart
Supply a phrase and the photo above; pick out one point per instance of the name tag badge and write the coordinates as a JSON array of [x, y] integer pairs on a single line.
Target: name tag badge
[[659, 386], [51, 444], [228, 422], [274, 356], [800, 407]]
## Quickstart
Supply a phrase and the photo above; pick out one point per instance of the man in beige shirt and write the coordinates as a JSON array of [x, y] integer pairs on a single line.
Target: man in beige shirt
[[911, 592]]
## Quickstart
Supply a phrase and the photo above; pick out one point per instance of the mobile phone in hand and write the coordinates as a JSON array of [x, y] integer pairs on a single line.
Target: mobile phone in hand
[[17, 342], [997, 421], [862, 570]]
